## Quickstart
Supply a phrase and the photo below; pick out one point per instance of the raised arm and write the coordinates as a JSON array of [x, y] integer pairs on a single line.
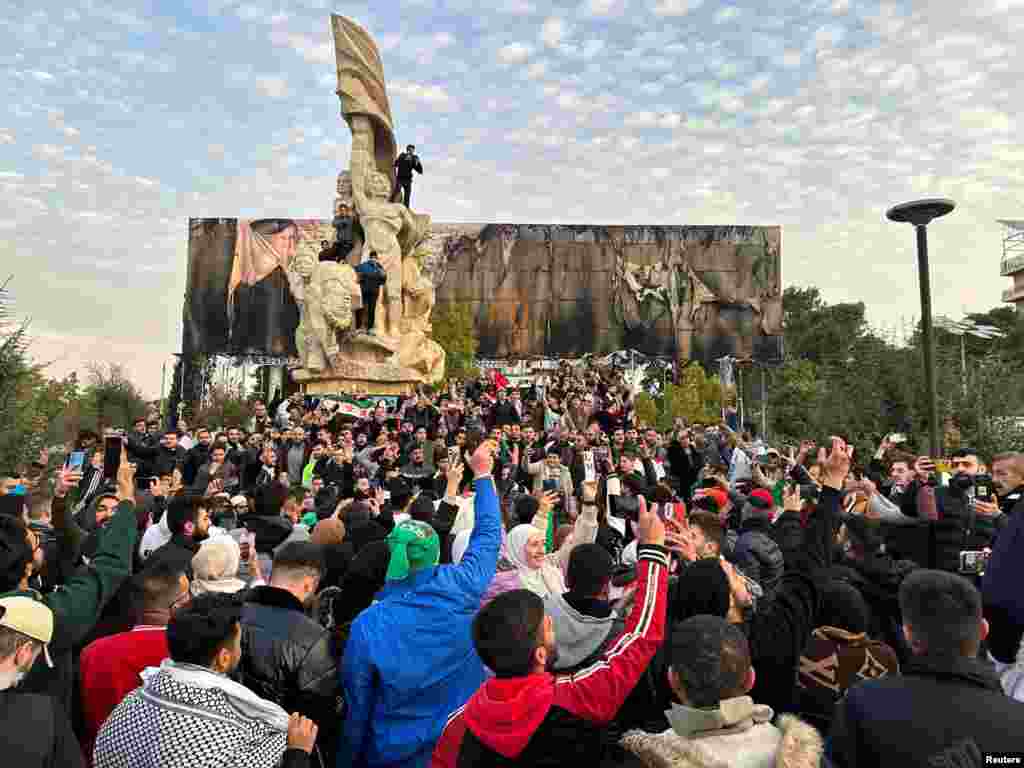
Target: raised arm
[[597, 692], [480, 562]]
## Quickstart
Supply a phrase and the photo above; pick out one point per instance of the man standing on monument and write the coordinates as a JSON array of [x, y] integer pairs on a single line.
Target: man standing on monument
[[371, 277], [405, 164], [387, 226]]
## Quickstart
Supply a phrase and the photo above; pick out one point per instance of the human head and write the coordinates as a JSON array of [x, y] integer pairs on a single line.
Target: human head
[[234, 435], [410, 149], [553, 458], [26, 626], [941, 614], [965, 462], [188, 515], [708, 534], [106, 504], [215, 565], [526, 546], [414, 546], [298, 567], [759, 504], [161, 589], [589, 572], [292, 507], [1007, 472], [843, 607], [170, 439], [259, 408], [901, 469], [513, 636], [204, 437], [708, 662], [207, 632]]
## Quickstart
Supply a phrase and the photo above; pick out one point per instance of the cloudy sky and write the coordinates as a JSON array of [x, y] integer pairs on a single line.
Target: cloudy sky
[[122, 120]]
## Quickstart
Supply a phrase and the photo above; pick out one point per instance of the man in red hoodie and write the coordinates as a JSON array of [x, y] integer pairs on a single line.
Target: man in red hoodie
[[110, 667], [526, 716]]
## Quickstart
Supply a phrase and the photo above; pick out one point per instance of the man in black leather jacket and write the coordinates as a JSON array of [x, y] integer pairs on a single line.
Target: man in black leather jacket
[[287, 657]]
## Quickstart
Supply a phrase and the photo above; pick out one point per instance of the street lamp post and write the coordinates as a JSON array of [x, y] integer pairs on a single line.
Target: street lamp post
[[920, 213]]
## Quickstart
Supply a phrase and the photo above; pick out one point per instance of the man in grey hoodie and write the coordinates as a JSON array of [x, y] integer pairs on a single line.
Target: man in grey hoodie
[[585, 621]]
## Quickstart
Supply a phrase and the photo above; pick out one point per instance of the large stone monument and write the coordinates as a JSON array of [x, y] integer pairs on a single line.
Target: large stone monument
[[397, 353]]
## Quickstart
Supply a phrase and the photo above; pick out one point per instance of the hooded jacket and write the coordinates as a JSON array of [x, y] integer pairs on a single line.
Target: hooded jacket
[[738, 734], [940, 711], [547, 720], [758, 556], [581, 637], [77, 604]]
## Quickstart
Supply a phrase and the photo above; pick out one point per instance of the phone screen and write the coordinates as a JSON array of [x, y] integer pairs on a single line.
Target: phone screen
[[75, 461], [111, 456]]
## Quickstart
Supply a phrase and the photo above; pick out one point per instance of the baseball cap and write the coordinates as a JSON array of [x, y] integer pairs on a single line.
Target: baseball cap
[[29, 617]]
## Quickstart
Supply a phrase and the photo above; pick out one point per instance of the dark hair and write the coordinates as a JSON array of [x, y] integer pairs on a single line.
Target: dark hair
[[711, 657], [525, 508], [272, 226], [963, 453], [943, 611], [183, 509], [423, 507], [156, 587], [197, 632], [15, 552], [902, 457], [589, 570], [703, 588], [710, 526], [506, 632], [299, 558], [844, 607]]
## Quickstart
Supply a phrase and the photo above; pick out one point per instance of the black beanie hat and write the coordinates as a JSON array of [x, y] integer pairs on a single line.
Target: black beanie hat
[[703, 588], [843, 607]]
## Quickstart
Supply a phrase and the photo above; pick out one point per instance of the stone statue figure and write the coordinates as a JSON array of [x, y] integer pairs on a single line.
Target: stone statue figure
[[387, 226], [398, 352], [329, 299]]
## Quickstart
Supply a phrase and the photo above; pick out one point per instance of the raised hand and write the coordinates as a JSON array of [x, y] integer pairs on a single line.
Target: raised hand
[[651, 530], [791, 499], [679, 539], [836, 465], [301, 733], [125, 478], [482, 460]]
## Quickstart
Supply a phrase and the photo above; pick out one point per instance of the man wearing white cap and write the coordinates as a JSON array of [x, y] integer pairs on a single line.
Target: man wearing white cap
[[33, 730]]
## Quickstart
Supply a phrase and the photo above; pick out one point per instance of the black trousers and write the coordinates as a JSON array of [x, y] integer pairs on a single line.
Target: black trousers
[[369, 310], [405, 185]]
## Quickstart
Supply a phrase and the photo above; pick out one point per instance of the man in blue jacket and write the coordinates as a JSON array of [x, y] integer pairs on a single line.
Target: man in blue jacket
[[410, 660]]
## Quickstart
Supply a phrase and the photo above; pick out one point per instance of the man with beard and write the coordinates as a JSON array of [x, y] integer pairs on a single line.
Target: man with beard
[[83, 595], [198, 455], [190, 711], [524, 715], [286, 656], [35, 731], [188, 521]]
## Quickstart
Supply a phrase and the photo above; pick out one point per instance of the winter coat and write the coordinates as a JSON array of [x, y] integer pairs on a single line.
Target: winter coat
[[758, 556], [739, 734], [36, 733], [1001, 586], [940, 711], [788, 533], [541, 720], [409, 661], [79, 602], [289, 659]]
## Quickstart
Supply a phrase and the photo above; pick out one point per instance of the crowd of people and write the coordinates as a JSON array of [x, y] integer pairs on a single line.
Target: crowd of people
[[489, 575]]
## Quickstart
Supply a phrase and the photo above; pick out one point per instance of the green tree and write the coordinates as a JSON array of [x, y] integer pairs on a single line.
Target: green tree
[[110, 399], [452, 327]]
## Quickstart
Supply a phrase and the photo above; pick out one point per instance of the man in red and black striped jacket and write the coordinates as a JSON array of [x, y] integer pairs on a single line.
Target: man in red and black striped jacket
[[526, 716]]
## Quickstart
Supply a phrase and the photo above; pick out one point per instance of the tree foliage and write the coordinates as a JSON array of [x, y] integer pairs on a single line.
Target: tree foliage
[[452, 327], [697, 397], [840, 377]]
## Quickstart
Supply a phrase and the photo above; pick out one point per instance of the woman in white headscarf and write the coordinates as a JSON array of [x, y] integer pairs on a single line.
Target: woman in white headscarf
[[524, 562], [215, 567]]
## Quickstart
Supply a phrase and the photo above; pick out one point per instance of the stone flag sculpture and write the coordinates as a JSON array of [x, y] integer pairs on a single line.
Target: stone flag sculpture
[[397, 353]]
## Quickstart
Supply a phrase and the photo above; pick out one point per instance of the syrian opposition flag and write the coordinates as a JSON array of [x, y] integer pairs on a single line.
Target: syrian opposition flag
[[498, 379]]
